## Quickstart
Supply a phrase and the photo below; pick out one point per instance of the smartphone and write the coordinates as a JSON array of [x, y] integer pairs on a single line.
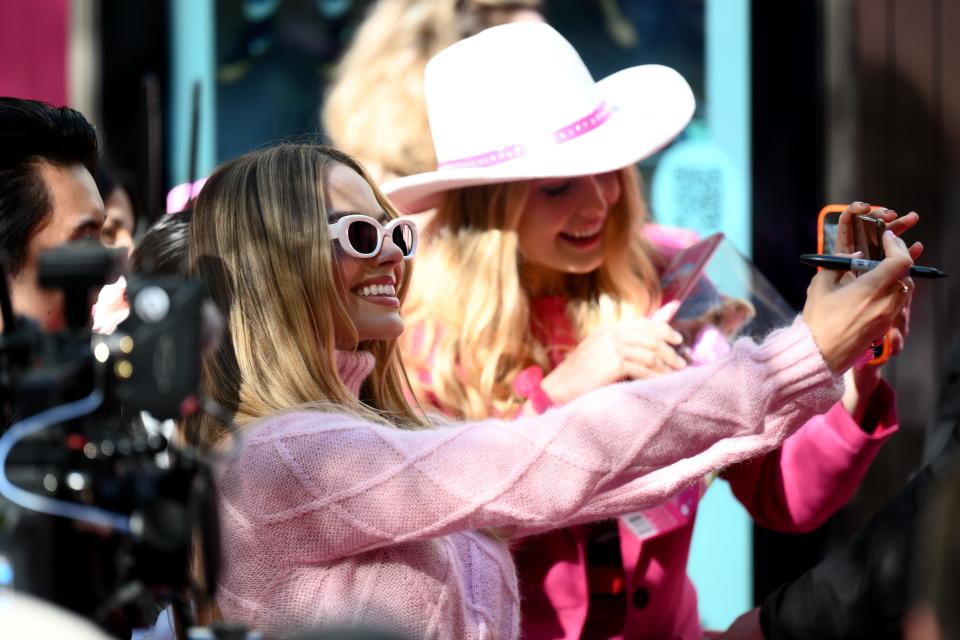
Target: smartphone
[[867, 232], [867, 237]]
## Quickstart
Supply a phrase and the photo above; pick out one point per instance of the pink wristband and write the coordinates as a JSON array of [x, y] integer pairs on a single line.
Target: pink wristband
[[527, 385]]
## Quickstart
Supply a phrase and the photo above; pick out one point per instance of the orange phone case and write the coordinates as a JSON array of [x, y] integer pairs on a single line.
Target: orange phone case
[[838, 209]]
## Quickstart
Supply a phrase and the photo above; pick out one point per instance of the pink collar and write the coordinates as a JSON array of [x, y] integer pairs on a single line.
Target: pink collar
[[354, 367]]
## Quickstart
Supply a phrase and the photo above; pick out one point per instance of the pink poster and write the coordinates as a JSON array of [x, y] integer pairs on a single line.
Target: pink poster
[[33, 49]]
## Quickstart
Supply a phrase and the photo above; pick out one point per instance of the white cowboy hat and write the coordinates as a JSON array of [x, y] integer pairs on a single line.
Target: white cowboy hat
[[516, 102]]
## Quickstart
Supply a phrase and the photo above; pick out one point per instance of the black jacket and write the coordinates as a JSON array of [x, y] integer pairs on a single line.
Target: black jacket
[[862, 589]]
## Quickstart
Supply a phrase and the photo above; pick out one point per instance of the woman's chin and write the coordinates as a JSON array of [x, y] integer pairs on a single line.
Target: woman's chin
[[384, 329], [582, 267]]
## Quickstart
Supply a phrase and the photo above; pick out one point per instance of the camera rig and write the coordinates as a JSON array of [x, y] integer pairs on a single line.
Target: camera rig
[[99, 508]]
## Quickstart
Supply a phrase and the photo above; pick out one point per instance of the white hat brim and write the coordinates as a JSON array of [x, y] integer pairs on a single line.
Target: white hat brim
[[651, 105]]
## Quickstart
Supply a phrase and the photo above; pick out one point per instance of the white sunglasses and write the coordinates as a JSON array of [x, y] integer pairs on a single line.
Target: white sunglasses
[[362, 236]]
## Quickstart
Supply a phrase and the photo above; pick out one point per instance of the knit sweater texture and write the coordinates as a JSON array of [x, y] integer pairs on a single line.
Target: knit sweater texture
[[607, 582], [330, 519]]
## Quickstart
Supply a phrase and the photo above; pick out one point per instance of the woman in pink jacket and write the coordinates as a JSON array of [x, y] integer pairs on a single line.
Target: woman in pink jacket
[[341, 504], [539, 220]]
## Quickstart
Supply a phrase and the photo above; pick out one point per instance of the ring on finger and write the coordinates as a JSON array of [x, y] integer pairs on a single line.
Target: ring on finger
[[899, 288]]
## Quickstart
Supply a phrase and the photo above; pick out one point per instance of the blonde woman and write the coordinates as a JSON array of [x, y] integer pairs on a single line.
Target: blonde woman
[[374, 109], [343, 505], [553, 292]]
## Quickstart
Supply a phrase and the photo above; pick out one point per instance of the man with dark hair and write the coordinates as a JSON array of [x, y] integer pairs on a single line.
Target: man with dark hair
[[47, 196]]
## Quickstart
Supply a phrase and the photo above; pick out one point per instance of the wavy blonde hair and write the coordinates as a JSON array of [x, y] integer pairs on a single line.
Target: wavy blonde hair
[[260, 242], [375, 107], [473, 332]]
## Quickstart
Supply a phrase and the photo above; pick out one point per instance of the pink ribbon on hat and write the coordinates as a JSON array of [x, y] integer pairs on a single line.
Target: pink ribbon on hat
[[564, 134]]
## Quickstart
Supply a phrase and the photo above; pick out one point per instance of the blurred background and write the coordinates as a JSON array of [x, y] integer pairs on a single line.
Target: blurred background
[[801, 103]]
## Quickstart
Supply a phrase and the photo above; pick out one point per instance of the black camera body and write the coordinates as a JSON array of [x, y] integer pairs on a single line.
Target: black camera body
[[157, 366], [99, 512]]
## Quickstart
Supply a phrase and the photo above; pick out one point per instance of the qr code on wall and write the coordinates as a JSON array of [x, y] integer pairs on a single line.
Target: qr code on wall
[[699, 197]]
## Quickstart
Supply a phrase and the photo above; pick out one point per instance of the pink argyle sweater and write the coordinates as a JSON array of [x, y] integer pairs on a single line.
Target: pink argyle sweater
[[330, 519]]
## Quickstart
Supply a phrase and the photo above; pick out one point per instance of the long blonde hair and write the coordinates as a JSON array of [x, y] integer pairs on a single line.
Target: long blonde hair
[[473, 330], [375, 107], [260, 242]]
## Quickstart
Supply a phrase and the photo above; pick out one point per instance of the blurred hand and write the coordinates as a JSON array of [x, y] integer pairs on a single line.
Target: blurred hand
[[630, 349], [746, 627], [846, 313], [861, 383]]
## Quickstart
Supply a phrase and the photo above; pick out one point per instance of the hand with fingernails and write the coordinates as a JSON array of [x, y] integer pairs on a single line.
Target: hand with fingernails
[[862, 381], [634, 348], [846, 313]]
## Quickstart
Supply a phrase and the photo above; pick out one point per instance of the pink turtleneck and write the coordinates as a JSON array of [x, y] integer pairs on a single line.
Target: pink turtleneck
[[354, 367], [328, 518]]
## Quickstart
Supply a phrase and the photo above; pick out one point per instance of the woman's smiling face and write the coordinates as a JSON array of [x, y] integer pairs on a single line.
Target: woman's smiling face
[[561, 228], [369, 285]]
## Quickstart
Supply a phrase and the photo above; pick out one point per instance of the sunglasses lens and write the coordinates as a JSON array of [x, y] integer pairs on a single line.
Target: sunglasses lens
[[363, 237], [403, 238]]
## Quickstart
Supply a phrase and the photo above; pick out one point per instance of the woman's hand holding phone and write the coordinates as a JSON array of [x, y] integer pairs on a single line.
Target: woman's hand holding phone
[[846, 243], [846, 313]]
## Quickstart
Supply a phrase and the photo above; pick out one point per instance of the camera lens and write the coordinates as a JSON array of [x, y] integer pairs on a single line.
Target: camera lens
[[152, 304]]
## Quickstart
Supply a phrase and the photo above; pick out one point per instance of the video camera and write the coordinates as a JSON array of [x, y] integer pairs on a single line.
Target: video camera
[[98, 509]]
